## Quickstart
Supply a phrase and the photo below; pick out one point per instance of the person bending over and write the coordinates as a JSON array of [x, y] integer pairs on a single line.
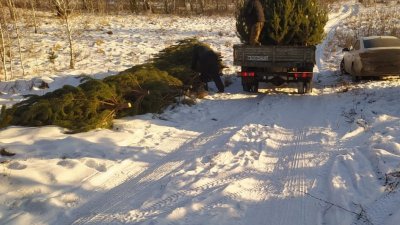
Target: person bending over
[[206, 62]]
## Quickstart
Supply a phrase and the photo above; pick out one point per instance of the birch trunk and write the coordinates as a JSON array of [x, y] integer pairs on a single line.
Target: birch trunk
[[34, 15], [3, 50], [14, 18]]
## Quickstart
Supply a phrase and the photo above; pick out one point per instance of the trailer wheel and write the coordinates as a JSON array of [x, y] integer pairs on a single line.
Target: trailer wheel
[[355, 78], [249, 84], [246, 87], [250, 87], [254, 87], [300, 88], [304, 87], [308, 87]]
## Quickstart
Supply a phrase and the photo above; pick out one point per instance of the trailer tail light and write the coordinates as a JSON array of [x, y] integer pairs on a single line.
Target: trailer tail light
[[247, 74], [302, 74]]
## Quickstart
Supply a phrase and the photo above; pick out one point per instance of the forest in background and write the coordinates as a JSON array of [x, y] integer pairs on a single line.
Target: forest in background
[[138, 6], [132, 6]]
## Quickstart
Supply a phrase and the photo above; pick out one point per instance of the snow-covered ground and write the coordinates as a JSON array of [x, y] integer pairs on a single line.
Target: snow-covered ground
[[330, 157]]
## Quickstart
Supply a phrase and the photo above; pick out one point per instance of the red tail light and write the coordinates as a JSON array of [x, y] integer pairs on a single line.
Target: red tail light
[[247, 74], [302, 74]]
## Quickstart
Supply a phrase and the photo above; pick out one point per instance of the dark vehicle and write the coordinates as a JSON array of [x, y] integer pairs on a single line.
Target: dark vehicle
[[374, 56], [277, 65]]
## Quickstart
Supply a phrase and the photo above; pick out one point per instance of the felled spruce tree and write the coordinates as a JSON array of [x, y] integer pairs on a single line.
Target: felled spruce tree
[[95, 103], [77, 108], [177, 61], [146, 88], [288, 22]]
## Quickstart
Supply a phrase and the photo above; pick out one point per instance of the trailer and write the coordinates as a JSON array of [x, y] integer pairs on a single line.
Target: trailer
[[277, 64]]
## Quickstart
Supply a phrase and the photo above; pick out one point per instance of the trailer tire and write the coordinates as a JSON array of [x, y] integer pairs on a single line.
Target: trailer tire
[[356, 78], [250, 84], [300, 88], [308, 87], [250, 87], [254, 87], [304, 87], [246, 87]]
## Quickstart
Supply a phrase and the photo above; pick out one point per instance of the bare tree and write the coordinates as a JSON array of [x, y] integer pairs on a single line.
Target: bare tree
[[10, 8], [88, 5], [3, 52], [133, 6], [146, 6], [34, 15], [3, 48], [10, 4], [65, 8], [9, 41], [202, 6], [85, 5]]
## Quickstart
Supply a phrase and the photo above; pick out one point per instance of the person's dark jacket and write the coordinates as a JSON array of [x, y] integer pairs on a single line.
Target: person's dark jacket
[[254, 12], [206, 62]]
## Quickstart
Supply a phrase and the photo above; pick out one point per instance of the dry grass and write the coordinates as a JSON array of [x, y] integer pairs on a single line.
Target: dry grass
[[382, 20]]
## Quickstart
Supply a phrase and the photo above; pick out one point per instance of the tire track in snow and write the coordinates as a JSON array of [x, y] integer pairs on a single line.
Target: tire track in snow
[[173, 201], [170, 202], [289, 205], [330, 28], [96, 208], [126, 202], [117, 197], [100, 209], [294, 181]]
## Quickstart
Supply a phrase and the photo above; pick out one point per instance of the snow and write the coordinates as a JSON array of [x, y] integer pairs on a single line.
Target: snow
[[232, 158]]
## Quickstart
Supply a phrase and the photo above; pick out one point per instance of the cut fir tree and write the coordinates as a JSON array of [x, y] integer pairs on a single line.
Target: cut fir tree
[[288, 22], [145, 88]]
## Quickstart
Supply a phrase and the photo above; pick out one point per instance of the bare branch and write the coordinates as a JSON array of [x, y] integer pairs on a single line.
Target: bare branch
[[64, 9]]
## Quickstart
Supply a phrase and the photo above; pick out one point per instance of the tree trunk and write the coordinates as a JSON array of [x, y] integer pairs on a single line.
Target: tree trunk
[[133, 6], [201, 6], [92, 7], [64, 6], [71, 46], [3, 51], [70, 41], [18, 36], [11, 9], [34, 15], [85, 5], [10, 55], [166, 10]]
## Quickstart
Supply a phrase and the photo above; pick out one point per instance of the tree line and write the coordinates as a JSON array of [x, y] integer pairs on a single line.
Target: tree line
[[134, 6]]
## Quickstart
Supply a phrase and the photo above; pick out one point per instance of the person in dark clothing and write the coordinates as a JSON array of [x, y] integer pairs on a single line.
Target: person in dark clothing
[[207, 62], [255, 20]]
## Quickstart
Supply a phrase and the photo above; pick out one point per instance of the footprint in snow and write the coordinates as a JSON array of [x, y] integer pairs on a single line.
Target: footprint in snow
[[101, 167], [16, 166], [67, 163]]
